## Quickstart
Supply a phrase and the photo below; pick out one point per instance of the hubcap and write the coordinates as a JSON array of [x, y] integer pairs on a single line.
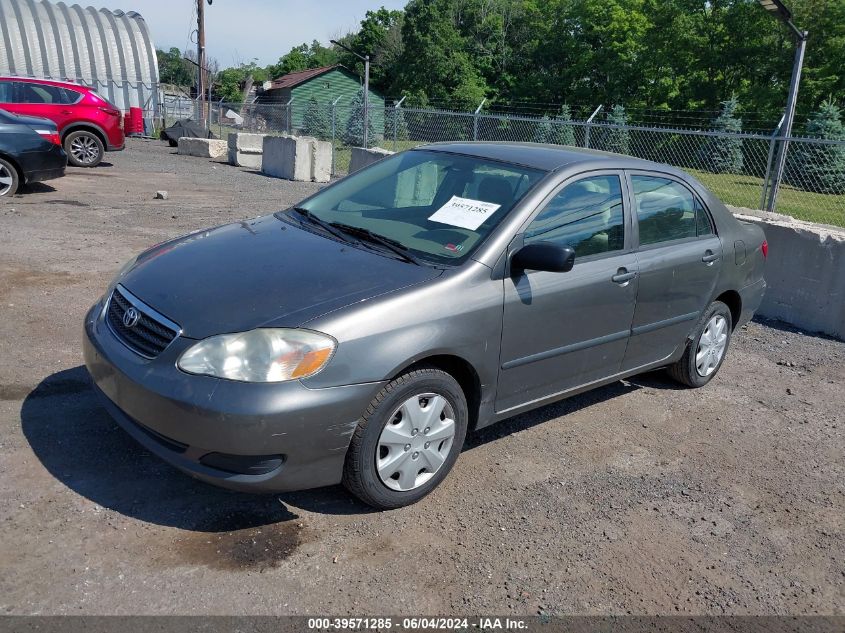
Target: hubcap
[[711, 345], [415, 441], [5, 180], [84, 149]]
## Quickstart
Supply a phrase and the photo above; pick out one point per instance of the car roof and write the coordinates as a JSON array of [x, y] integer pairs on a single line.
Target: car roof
[[548, 157], [49, 82]]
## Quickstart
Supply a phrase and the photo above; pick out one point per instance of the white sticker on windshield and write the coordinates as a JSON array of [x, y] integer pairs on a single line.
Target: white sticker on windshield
[[464, 212]]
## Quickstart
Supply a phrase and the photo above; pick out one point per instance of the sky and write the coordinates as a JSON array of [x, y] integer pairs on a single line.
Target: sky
[[240, 30]]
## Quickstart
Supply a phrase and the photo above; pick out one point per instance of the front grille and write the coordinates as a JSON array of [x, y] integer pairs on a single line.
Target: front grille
[[150, 335]]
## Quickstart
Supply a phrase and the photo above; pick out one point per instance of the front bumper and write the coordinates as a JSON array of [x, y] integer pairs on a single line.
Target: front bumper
[[190, 421]]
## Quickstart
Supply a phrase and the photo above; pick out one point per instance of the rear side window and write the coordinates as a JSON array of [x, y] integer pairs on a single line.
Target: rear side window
[[586, 215], [70, 96], [667, 211]]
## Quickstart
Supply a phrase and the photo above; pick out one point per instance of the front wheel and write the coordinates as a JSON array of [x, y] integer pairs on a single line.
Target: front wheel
[[707, 349], [84, 149], [408, 439]]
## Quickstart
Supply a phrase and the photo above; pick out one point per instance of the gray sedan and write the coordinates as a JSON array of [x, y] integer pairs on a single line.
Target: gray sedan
[[359, 336]]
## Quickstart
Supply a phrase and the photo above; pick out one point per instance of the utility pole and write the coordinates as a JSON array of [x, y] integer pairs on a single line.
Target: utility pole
[[201, 59]]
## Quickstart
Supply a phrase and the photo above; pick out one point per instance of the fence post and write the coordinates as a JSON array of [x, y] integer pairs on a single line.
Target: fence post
[[220, 117], [590, 125], [396, 123], [334, 118], [772, 144], [288, 109], [475, 120]]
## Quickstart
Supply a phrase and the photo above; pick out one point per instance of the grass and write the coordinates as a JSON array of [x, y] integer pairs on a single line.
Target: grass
[[745, 191]]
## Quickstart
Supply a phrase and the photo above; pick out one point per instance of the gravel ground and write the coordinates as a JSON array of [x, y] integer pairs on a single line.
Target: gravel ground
[[636, 498]]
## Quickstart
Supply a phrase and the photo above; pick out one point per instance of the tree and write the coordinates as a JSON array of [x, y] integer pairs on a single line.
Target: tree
[[353, 135], [173, 69], [543, 131], [562, 133], [815, 166], [723, 154], [303, 57], [315, 121], [617, 139]]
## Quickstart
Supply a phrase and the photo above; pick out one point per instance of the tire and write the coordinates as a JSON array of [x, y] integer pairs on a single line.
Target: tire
[[9, 179], [84, 149], [427, 388], [715, 325]]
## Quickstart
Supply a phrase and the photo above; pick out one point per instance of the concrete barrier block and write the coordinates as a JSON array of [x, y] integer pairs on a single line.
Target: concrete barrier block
[[202, 147], [361, 157], [805, 272], [287, 157], [321, 161], [248, 143]]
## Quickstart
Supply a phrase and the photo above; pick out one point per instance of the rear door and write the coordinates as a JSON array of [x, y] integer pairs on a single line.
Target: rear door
[[679, 257], [563, 330]]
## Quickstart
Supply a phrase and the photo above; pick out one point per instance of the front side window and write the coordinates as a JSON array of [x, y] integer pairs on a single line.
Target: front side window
[[586, 215], [440, 206], [666, 211]]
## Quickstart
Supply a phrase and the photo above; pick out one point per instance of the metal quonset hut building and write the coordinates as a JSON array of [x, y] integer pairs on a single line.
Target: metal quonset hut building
[[110, 51]]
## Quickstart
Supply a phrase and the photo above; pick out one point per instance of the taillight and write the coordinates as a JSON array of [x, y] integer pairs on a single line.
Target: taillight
[[110, 111], [764, 247], [51, 136]]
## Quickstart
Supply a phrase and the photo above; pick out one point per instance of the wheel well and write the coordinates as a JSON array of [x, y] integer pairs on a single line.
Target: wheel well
[[461, 371], [732, 299], [85, 128]]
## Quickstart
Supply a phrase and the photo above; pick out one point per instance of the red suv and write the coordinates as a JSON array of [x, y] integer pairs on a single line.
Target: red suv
[[88, 124]]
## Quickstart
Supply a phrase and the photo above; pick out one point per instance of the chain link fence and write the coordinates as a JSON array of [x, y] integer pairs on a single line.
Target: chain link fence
[[738, 167]]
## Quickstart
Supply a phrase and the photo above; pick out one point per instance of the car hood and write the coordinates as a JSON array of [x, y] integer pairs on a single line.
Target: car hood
[[262, 272]]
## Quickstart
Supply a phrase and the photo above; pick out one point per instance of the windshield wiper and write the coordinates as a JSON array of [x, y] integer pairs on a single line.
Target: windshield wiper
[[326, 226], [390, 244]]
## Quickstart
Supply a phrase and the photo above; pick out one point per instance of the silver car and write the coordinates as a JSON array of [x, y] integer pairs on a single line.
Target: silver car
[[360, 335]]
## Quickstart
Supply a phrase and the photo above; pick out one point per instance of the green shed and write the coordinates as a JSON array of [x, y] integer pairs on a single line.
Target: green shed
[[325, 84]]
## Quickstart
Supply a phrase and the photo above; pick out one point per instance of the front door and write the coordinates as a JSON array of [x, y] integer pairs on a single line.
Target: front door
[[563, 330], [679, 256]]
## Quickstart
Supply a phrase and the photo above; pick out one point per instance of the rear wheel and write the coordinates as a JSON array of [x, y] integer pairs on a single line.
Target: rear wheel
[[408, 439], [706, 351], [9, 179], [84, 148]]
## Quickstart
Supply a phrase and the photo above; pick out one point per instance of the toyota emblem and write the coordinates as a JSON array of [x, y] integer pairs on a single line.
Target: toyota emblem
[[131, 317]]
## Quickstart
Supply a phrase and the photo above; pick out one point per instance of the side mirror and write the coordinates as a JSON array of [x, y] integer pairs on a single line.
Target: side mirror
[[544, 256]]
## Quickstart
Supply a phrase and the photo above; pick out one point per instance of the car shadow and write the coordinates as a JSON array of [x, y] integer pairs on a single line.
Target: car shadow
[[82, 447], [34, 188]]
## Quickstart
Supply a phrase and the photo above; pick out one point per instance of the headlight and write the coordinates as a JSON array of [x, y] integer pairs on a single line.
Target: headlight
[[262, 355]]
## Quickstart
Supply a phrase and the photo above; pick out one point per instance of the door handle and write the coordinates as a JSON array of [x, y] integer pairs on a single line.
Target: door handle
[[65, 112], [622, 276], [709, 257]]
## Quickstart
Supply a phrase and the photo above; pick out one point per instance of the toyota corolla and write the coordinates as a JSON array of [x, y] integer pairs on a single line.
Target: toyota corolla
[[358, 336]]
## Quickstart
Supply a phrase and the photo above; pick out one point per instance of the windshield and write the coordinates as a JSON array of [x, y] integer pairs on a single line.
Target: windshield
[[439, 206]]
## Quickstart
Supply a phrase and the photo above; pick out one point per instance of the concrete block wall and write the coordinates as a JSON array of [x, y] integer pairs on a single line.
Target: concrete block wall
[[246, 150], [805, 272], [361, 157], [202, 147], [300, 158]]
